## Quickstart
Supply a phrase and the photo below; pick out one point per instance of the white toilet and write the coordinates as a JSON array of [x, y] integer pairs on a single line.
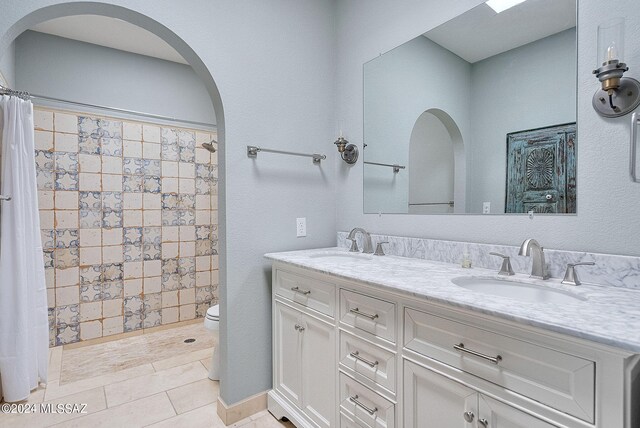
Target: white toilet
[[212, 323]]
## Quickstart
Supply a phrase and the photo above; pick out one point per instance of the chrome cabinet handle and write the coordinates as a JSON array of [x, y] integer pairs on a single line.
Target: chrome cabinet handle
[[359, 404], [356, 311], [633, 147], [483, 422], [298, 290], [460, 347], [299, 328], [356, 355], [468, 416]]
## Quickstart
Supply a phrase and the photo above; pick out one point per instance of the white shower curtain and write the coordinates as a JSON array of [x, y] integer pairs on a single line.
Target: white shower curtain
[[23, 295]]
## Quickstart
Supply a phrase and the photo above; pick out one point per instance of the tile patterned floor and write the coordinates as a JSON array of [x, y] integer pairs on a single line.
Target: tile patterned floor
[[168, 388]]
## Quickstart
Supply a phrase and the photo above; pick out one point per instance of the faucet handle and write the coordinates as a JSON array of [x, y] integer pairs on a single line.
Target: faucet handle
[[379, 250], [571, 276], [506, 268], [354, 245]]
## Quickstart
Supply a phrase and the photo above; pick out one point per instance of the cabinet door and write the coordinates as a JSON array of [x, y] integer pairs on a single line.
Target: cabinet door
[[434, 401], [319, 370], [287, 342], [494, 414]]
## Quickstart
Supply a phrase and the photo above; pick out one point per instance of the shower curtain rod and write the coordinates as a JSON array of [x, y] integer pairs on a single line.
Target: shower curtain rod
[[26, 95]]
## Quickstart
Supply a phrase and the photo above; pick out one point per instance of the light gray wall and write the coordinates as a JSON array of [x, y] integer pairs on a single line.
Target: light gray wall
[[7, 65], [607, 219], [529, 95], [273, 65], [69, 69], [401, 85]]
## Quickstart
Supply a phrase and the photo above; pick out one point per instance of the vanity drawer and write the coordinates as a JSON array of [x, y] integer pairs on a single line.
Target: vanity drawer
[[363, 359], [347, 422], [559, 380], [306, 291], [369, 314], [363, 406]]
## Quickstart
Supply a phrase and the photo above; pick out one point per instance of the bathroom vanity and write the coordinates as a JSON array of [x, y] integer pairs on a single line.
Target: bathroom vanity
[[384, 342]]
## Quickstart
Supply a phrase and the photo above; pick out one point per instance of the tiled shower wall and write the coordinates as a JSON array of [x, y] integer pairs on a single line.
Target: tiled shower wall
[[128, 213]]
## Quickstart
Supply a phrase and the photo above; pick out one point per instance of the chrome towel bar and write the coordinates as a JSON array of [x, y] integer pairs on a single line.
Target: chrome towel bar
[[635, 120], [252, 152], [396, 167]]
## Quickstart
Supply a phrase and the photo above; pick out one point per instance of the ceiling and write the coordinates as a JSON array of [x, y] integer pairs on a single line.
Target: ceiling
[[112, 33], [481, 33]]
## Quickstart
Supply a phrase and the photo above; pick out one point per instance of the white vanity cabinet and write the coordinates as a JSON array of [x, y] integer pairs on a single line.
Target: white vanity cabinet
[[352, 355]]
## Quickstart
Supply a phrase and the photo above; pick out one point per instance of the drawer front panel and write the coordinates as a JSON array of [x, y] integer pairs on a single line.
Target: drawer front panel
[[306, 291], [362, 358], [369, 314], [363, 406], [559, 380]]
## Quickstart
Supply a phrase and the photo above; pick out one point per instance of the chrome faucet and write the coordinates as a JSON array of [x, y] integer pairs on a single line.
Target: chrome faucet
[[530, 247], [368, 246]]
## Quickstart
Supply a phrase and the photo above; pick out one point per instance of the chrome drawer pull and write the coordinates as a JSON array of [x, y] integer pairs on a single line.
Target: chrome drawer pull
[[358, 403], [357, 356], [298, 290], [460, 347], [356, 311]]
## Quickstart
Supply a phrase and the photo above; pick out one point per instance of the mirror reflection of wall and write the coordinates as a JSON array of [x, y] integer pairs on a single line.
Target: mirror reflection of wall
[[489, 75]]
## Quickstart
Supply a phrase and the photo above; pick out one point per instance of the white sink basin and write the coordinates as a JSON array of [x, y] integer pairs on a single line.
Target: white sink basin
[[516, 290], [340, 256]]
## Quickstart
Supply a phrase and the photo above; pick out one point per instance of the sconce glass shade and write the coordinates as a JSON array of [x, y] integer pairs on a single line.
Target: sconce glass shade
[[618, 95], [611, 41]]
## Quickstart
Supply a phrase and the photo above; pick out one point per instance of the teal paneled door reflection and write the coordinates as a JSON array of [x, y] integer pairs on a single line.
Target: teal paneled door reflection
[[541, 170]]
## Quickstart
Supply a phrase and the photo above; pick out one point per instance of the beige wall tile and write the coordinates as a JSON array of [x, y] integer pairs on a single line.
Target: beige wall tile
[[170, 233], [152, 268], [203, 137], [187, 311], [90, 256], [132, 149], [132, 270], [66, 219], [215, 262], [187, 296], [64, 122], [203, 217], [203, 202], [169, 299], [203, 279], [152, 284], [90, 311], [187, 170], [43, 140], [203, 155], [89, 163], [67, 295], [152, 201], [43, 120], [203, 263], [112, 308], [132, 287], [169, 250], [50, 278], [90, 182], [90, 330], [66, 200], [45, 199], [151, 133], [187, 249], [111, 183], [51, 297], [90, 237], [46, 219], [67, 277], [170, 315], [170, 185], [151, 150], [132, 201], [187, 233], [152, 217], [187, 185], [169, 169], [132, 218], [112, 236], [215, 277], [111, 165], [66, 142], [112, 254], [132, 131], [111, 326]]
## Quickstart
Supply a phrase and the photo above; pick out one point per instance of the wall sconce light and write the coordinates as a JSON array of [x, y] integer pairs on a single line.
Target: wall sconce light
[[618, 95], [348, 152]]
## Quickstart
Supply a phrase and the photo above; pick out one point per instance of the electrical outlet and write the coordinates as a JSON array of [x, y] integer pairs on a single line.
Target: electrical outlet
[[486, 207], [301, 227]]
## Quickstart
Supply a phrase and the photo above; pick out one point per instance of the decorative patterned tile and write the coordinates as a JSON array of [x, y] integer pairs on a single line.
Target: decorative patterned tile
[[133, 305], [112, 272], [133, 183], [186, 202], [90, 274], [48, 239], [152, 319], [132, 252], [151, 251], [91, 292], [111, 128], [132, 322], [88, 127], [170, 282], [44, 179], [111, 146], [112, 290], [170, 147], [90, 219], [48, 259], [203, 247], [112, 201], [44, 160], [169, 266], [88, 145], [188, 280], [202, 171], [152, 184], [68, 334], [66, 181], [204, 294], [67, 315], [133, 235], [170, 201], [186, 265], [152, 235], [203, 186], [67, 238], [66, 161], [201, 309], [151, 167], [133, 166], [152, 302], [112, 218], [67, 257], [186, 217], [187, 143]]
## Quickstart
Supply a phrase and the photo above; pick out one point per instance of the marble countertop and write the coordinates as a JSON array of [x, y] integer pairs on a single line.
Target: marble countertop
[[609, 315]]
